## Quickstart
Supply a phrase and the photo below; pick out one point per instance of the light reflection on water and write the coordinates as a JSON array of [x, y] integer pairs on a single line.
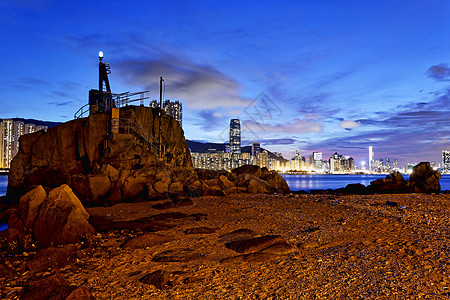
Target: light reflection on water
[[323, 182]]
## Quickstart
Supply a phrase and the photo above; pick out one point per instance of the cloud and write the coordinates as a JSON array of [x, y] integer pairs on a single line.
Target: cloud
[[198, 86], [349, 125], [283, 141], [294, 126], [439, 72]]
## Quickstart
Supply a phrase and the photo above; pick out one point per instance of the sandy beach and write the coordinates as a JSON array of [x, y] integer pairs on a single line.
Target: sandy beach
[[343, 247]]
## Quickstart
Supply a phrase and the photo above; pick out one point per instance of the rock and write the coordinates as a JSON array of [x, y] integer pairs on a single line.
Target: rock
[[279, 248], [425, 179], [152, 194], [255, 244], [56, 287], [112, 173], [30, 203], [146, 240], [5, 271], [12, 240], [240, 234], [174, 204], [85, 146], [248, 169], [225, 182], [205, 174], [178, 255], [355, 188], [53, 258], [278, 182], [99, 187], [154, 223], [134, 186], [251, 257], [114, 197], [62, 219], [176, 187], [80, 293], [213, 191], [162, 186], [200, 230], [258, 186], [91, 189], [159, 279]]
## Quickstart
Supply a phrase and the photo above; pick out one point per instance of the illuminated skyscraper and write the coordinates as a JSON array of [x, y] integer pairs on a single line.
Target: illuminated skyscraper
[[235, 136], [18, 130], [371, 154], [6, 143]]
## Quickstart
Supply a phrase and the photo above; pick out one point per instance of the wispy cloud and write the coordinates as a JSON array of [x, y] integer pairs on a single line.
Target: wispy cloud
[[198, 86], [294, 126], [348, 124], [439, 72]]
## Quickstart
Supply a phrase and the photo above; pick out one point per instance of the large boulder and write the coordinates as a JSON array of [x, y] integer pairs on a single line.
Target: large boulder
[[30, 203], [62, 219], [91, 189], [425, 179]]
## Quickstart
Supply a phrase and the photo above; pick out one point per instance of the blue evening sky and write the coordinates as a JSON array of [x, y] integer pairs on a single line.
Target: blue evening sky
[[301, 75]]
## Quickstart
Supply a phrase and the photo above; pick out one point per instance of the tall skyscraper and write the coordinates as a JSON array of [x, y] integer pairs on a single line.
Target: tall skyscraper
[[235, 136], [6, 143], [370, 158], [18, 130], [10, 132]]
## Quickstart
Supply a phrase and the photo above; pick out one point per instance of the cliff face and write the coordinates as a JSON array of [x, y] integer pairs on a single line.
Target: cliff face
[[82, 146]]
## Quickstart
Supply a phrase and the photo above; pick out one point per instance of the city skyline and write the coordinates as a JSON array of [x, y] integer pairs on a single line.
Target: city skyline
[[316, 77]]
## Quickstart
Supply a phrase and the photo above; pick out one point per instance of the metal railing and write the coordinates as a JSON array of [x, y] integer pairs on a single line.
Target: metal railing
[[129, 126], [118, 100]]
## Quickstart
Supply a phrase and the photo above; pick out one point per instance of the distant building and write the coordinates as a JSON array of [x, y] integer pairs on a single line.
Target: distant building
[[316, 162], [371, 157], [10, 132], [6, 143], [30, 128], [445, 161], [256, 148], [340, 164], [172, 108], [235, 136]]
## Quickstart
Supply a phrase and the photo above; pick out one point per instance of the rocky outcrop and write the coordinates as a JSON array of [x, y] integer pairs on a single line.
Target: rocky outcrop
[[62, 219], [425, 179], [269, 181], [84, 154]]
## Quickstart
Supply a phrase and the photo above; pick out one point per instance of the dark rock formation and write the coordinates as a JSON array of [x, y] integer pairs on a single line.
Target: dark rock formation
[[56, 287], [425, 179], [200, 230], [53, 258], [275, 183], [255, 244], [62, 219], [84, 154], [146, 240], [159, 279]]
